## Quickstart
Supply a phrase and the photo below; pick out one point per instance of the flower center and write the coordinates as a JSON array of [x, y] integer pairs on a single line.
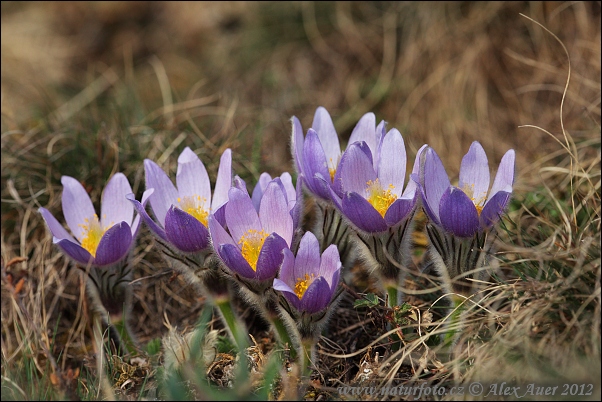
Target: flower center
[[478, 203], [380, 198], [252, 242], [93, 234], [302, 284], [193, 205]]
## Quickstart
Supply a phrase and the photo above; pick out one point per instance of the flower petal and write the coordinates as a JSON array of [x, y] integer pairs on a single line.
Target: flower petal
[[391, 167], [260, 187], [287, 268], [223, 181], [494, 208], [114, 207], [158, 230], [137, 219], [362, 214], [356, 169], [434, 180], [297, 144], [55, 227], [317, 296], [274, 214], [270, 257], [504, 179], [330, 264], [77, 206], [185, 232], [192, 179], [397, 211], [458, 214], [165, 194], [308, 256], [287, 292], [411, 187], [240, 214], [75, 251], [219, 236], [232, 257], [327, 134], [365, 130], [474, 174], [114, 244], [314, 162]]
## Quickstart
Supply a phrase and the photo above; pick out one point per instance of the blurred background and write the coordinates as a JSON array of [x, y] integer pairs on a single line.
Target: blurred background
[[90, 89]]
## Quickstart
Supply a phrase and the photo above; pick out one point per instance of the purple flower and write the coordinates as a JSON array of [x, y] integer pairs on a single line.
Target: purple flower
[[317, 156], [292, 193], [372, 193], [253, 247], [309, 281], [95, 241], [470, 207], [182, 213]]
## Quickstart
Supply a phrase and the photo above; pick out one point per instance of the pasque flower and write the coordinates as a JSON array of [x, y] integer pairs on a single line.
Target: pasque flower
[[182, 213], [471, 207], [253, 246], [317, 155], [309, 280], [293, 194], [96, 241], [371, 192]]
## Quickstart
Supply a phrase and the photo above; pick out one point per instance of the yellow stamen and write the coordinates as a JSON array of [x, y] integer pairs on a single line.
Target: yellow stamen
[[332, 172], [252, 242], [93, 234], [469, 191], [193, 205], [302, 285], [380, 198]]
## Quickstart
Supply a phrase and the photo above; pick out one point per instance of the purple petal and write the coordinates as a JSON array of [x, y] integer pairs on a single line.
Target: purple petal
[[392, 162], [114, 244], [356, 169], [185, 232], [458, 214], [137, 219], [494, 208], [412, 185], [298, 208], [362, 214], [158, 230], [270, 257], [77, 206], [114, 207], [435, 181], [287, 269], [330, 264], [223, 181], [314, 161], [474, 173], [297, 144], [274, 214], [365, 131], [287, 292], [75, 251], [317, 296], [380, 135], [308, 256], [504, 179], [260, 187], [327, 134], [240, 214], [192, 179], [288, 189], [239, 184], [234, 260], [165, 194], [219, 236], [55, 227], [399, 210]]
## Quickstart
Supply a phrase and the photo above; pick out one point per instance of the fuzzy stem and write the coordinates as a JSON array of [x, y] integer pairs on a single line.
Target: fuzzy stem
[[453, 325], [307, 353], [231, 322]]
